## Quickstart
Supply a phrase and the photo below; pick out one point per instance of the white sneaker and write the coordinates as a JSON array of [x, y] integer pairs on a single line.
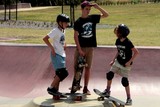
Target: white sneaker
[[129, 101], [106, 93]]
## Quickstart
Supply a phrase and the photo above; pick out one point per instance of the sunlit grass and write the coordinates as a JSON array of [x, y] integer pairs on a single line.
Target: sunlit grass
[[142, 19]]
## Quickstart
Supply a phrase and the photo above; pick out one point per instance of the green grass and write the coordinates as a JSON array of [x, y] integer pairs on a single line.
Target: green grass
[[25, 35], [142, 19]]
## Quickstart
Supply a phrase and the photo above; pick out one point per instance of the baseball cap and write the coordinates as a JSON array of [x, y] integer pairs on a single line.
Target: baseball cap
[[86, 3]]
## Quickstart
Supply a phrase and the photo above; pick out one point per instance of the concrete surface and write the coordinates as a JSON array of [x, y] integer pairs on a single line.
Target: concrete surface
[[47, 101], [26, 72]]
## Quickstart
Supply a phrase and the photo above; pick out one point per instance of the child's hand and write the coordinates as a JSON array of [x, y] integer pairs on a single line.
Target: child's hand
[[128, 63], [95, 5], [111, 63], [81, 53]]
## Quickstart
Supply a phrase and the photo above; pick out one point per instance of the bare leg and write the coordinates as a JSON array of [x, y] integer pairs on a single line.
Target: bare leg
[[86, 76], [55, 82], [86, 81], [128, 92], [109, 82]]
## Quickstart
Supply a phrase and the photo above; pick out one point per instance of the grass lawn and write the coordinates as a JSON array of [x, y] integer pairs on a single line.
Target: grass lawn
[[142, 19]]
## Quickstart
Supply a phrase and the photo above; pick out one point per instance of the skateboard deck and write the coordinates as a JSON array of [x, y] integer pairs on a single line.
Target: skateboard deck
[[81, 63], [76, 96], [116, 102], [70, 96]]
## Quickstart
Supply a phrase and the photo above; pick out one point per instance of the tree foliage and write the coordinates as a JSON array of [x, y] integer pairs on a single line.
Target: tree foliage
[[42, 2], [75, 2]]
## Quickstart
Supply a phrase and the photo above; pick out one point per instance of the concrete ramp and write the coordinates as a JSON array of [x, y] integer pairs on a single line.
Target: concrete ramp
[[22, 68], [26, 72]]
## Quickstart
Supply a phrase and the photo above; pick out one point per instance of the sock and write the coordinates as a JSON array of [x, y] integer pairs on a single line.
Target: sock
[[50, 87]]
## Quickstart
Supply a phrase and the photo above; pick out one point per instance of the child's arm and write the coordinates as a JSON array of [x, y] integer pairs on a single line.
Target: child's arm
[[104, 13], [111, 63], [135, 53], [46, 40], [65, 46], [77, 43]]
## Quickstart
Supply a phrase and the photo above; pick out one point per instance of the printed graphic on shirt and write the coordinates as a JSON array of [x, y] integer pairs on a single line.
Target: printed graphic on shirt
[[87, 30], [62, 39], [121, 51]]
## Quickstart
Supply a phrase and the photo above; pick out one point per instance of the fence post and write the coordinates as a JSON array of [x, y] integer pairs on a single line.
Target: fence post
[[16, 9], [72, 12], [5, 10]]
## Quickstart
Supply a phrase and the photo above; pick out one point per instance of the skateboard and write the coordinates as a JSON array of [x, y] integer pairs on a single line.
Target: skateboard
[[116, 102], [76, 96], [70, 96], [58, 96], [81, 63]]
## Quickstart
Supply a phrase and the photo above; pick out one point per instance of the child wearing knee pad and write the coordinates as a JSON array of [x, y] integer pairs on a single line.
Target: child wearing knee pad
[[121, 63], [58, 54]]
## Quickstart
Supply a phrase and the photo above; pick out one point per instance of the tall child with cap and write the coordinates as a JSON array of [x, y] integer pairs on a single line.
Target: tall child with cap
[[85, 37]]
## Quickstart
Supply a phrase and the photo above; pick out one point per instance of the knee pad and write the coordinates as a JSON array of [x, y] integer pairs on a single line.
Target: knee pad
[[110, 75], [62, 73], [125, 82]]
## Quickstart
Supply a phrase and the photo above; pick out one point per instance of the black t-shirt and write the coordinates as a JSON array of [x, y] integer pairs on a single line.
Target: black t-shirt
[[124, 51], [86, 28]]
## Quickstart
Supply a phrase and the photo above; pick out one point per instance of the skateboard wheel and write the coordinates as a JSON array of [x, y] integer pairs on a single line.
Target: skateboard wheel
[[78, 98], [56, 97], [100, 98]]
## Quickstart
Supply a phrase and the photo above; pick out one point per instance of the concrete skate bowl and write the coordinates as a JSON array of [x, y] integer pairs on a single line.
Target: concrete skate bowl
[[26, 71]]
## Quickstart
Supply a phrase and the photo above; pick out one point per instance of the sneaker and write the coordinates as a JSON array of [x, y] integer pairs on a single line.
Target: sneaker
[[129, 101], [106, 93], [52, 91], [86, 91]]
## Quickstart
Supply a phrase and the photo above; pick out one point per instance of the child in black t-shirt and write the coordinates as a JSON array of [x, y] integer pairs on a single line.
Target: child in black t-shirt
[[85, 37], [121, 63]]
